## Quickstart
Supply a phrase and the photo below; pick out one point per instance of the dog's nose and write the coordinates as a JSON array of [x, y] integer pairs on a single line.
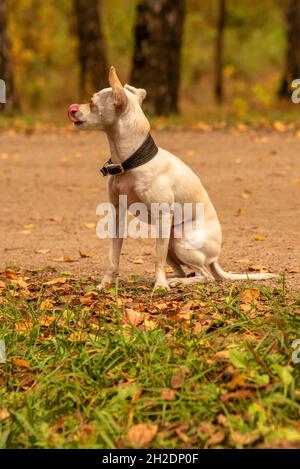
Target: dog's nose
[[71, 112]]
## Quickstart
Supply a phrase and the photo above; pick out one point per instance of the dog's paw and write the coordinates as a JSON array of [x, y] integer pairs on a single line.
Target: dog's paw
[[104, 285], [161, 288]]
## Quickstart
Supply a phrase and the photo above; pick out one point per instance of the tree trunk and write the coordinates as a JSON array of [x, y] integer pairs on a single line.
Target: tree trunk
[[219, 89], [156, 59], [6, 66], [91, 46], [292, 69]]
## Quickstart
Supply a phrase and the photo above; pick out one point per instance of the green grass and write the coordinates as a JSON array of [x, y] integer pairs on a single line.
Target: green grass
[[86, 377]]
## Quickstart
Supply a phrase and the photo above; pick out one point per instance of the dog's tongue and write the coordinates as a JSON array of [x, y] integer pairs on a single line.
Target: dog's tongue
[[71, 112]]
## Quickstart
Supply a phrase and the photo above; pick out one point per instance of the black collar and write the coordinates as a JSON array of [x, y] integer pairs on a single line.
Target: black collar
[[142, 155]]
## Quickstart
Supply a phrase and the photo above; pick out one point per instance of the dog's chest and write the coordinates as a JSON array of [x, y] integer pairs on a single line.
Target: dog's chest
[[127, 185]]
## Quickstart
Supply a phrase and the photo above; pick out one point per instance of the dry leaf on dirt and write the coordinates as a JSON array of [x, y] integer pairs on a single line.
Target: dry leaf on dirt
[[11, 274], [132, 317], [83, 254], [55, 281], [215, 439], [237, 438], [250, 296], [141, 434], [21, 363], [64, 259], [88, 298], [258, 237], [90, 226], [4, 414], [258, 268], [42, 251]]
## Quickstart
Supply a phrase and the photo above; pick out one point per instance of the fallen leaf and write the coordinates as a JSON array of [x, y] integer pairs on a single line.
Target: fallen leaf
[[149, 325], [167, 394], [243, 394], [55, 218], [23, 325], [4, 414], [250, 296], [237, 438], [42, 251], [11, 274], [215, 439], [21, 363], [88, 298], [258, 268], [295, 181], [90, 226], [241, 212], [258, 237], [280, 126], [64, 259], [294, 270], [141, 434], [223, 354], [47, 321], [177, 380], [133, 317], [83, 254], [55, 281]]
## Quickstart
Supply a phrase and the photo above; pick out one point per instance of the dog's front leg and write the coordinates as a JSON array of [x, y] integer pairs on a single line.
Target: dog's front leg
[[115, 249], [162, 246]]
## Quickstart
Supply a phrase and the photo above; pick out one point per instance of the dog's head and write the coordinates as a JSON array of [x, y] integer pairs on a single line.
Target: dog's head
[[109, 107]]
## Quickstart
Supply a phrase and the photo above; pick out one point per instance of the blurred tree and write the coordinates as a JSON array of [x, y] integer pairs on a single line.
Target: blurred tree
[[156, 59], [6, 66], [292, 69], [219, 89], [91, 46]]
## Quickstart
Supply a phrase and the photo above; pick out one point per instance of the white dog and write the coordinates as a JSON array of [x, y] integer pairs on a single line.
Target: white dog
[[147, 174]]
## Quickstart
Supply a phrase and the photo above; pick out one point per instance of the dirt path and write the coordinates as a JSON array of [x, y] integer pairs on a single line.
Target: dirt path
[[50, 188]]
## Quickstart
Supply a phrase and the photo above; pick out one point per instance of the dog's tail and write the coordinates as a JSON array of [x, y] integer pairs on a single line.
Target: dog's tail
[[220, 274]]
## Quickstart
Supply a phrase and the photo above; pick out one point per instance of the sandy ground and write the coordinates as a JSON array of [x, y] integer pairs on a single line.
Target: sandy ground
[[51, 186]]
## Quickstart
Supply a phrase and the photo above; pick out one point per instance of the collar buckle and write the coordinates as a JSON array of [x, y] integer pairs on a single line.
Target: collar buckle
[[112, 169]]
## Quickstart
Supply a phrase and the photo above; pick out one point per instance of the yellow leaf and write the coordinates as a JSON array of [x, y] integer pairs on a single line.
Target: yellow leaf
[[47, 321], [23, 325], [250, 296], [141, 434], [42, 251], [280, 126], [258, 237], [90, 226], [55, 281], [4, 414], [64, 259], [258, 268]]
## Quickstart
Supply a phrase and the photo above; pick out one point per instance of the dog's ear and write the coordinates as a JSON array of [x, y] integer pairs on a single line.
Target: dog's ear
[[120, 98], [139, 92]]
